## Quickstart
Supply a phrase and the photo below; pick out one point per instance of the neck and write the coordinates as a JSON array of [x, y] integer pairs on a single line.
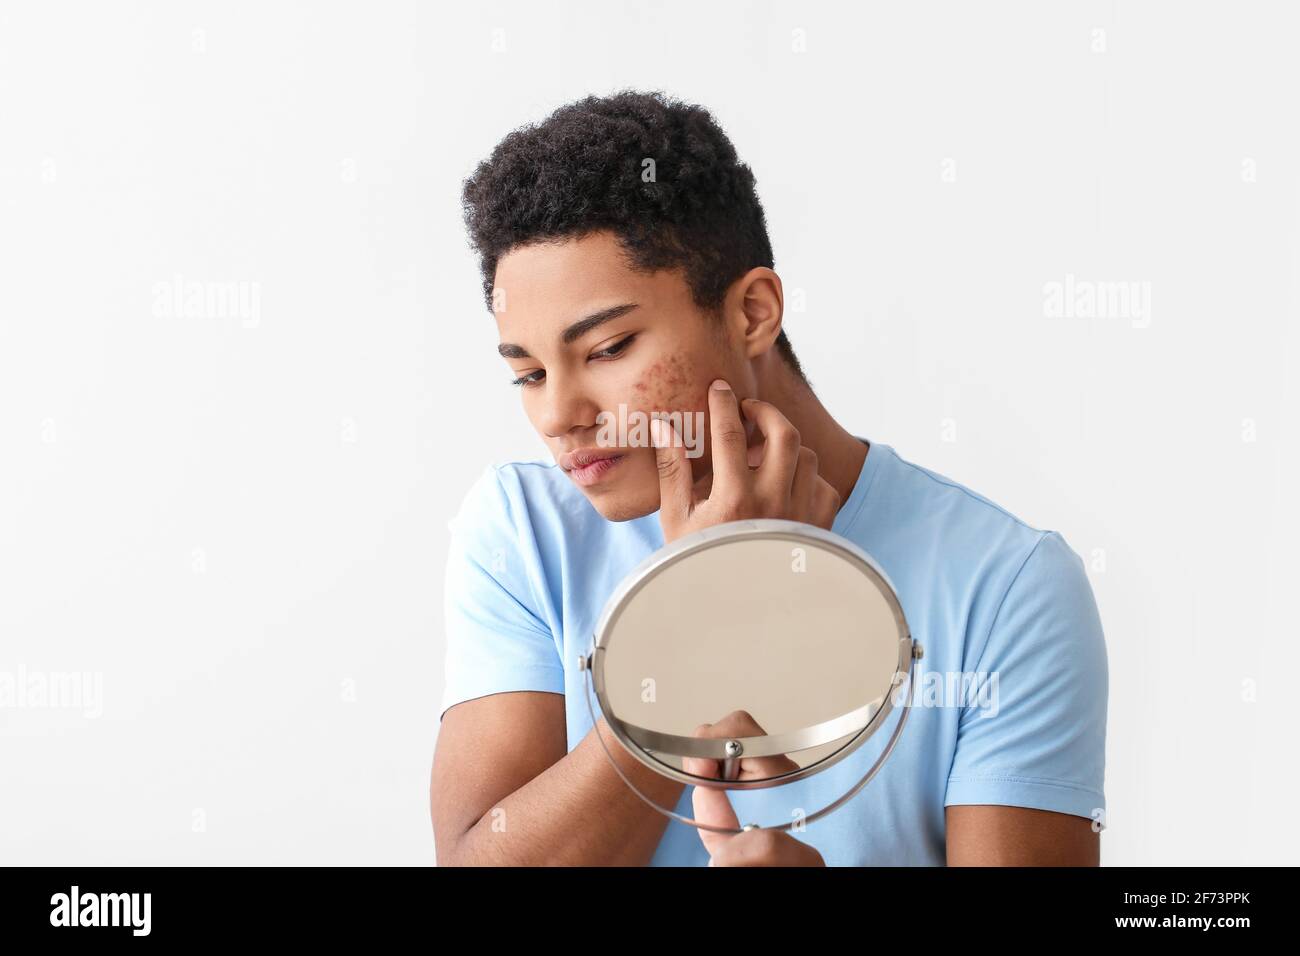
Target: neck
[[840, 454]]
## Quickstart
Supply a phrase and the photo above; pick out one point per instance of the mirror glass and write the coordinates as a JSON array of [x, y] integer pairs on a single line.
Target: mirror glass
[[785, 640]]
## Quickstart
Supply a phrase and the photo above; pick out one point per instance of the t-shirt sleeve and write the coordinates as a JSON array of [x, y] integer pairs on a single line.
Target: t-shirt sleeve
[[1035, 736], [496, 640]]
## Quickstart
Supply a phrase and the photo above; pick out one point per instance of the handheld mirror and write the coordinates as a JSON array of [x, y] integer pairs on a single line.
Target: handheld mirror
[[786, 639]]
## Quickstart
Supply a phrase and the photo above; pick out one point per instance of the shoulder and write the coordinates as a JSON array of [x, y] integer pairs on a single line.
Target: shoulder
[[958, 519], [511, 481], [538, 484], [530, 497], [946, 538], [958, 500]]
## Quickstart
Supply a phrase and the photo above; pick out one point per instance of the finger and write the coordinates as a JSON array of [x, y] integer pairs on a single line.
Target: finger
[[676, 497], [766, 848], [781, 444], [753, 439], [703, 486], [826, 504], [749, 768], [728, 442], [751, 848], [803, 490], [765, 768], [711, 806], [740, 723], [702, 766]]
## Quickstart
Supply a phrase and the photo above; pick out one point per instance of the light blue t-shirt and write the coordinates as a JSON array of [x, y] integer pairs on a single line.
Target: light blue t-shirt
[[1011, 694]]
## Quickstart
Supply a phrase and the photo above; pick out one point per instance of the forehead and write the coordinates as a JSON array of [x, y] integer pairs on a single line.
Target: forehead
[[555, 281]]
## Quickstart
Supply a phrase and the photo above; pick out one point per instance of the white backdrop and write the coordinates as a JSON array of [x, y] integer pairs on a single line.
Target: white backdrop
[[230, 515]]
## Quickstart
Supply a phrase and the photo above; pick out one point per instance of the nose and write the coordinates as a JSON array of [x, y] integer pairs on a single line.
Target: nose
[[564, 407]]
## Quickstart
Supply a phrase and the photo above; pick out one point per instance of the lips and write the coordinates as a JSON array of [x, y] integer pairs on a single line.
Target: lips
[[571, 460]]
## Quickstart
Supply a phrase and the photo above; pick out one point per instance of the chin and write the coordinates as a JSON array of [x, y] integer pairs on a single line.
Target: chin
[[624, 507]]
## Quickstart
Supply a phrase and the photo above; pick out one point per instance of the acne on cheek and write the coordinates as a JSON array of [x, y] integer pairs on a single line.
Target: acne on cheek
[[674, 384], [669, 385]]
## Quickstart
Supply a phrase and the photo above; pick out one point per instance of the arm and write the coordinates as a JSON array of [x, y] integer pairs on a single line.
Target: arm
[[505, 793], [503, 790], [1026, 784], [986, 835]]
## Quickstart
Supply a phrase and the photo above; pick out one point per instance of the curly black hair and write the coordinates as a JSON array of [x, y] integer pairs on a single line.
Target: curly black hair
[[586, 167]]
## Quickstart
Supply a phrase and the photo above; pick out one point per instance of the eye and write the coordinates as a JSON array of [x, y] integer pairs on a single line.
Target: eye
[[533, 379], [528, 381], [616, 348]]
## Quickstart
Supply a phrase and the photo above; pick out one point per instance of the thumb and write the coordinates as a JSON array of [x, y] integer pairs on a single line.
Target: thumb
[[675, 482], [713, 807]]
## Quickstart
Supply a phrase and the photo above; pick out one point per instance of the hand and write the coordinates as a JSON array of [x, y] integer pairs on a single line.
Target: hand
[[777, 479], [752, 847]]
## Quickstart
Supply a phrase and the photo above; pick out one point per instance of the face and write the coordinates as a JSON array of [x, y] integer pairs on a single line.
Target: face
[[583, 334]]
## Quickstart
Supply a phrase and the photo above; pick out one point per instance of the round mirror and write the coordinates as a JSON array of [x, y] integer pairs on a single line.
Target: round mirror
[[751, 654]]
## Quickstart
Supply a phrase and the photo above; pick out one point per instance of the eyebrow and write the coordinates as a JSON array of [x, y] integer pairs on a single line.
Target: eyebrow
[[575, 331]]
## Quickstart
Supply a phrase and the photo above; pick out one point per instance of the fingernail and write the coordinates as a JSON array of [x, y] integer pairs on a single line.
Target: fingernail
[[657, 433], [720, 385]]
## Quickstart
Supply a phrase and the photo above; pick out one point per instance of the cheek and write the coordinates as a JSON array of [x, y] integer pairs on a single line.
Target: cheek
[[672, 384]]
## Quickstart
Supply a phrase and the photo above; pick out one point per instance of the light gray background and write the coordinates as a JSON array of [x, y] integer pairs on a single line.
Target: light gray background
[[240, 525]]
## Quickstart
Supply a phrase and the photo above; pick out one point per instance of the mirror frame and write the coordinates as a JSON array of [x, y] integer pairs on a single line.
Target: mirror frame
[[719, 535]]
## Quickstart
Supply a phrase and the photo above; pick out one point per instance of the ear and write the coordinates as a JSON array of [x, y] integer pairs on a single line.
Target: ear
[[755, 304]]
